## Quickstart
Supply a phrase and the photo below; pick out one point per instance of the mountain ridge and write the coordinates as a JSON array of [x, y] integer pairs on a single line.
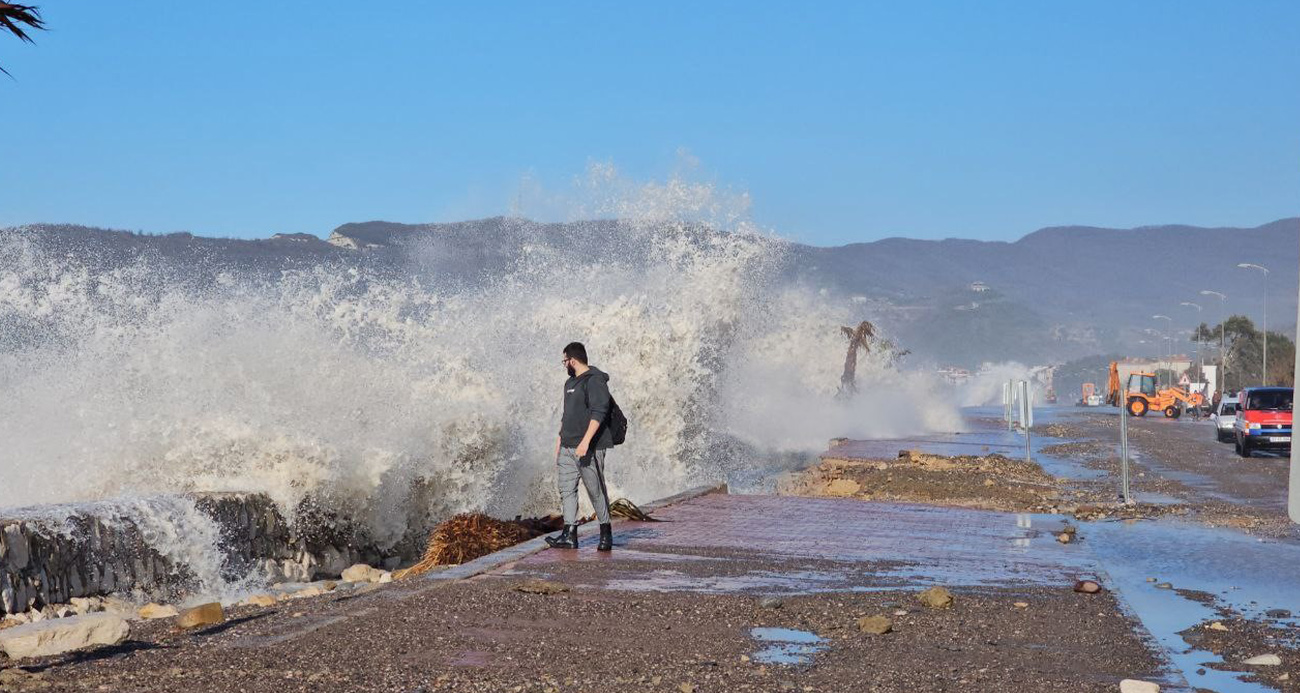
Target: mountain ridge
[[1057, 293]]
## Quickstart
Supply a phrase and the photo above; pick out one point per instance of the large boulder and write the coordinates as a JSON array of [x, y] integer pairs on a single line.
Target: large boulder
[[362, 573], [936, 598], [152, 611], [56, 636], [199, 616]]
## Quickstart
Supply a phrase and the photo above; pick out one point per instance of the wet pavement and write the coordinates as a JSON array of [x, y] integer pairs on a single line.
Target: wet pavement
[[824, 544], [1246, 574], [727, 593]]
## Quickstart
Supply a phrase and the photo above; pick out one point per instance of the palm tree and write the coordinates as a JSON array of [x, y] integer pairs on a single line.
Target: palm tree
[[15, 17]]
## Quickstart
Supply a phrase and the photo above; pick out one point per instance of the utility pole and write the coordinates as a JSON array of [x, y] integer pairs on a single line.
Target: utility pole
[[1201, 372], [1169, 326], [1223, 356], [1263, 379]]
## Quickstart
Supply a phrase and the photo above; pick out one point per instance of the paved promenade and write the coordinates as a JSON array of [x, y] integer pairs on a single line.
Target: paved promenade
[[727, 593]]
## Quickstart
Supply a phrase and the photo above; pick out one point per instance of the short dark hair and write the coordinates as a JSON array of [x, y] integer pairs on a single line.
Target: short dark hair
[[577, 352]]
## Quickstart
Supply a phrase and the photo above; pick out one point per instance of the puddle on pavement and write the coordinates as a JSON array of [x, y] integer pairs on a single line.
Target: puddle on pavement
[[755, 582], [1243, 572], [786, 645]]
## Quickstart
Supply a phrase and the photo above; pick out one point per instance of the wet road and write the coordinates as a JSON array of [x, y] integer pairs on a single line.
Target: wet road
[[1247, 574]]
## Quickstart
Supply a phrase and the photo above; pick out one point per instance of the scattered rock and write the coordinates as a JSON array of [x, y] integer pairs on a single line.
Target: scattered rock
[[687, 688], [1065, 537], [309, 591], [362, 573], [56, 636], [86, 605], [541, 587], [936, 598], [1264, 660], [876, 625], [1087, 587], [151, 611], [385, 578], [1151, 579], [1217, 626], [1022, 605], [1136, 686], [1277, 613], [117, 605], [259, 600], [901, 612], [1164, 586], [202, 615], [770, 603], [988, 482]]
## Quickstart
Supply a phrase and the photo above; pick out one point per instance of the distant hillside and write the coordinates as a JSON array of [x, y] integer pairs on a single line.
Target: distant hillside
[[1056, 294]]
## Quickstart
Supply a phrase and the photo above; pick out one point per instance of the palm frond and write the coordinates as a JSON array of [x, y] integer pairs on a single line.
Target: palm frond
[[15, 17]]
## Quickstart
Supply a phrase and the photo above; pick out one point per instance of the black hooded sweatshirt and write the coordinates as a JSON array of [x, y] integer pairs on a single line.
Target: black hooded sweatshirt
[[586, 397]]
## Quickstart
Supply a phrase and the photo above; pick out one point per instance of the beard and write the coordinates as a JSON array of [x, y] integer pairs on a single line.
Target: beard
[[570, 370]]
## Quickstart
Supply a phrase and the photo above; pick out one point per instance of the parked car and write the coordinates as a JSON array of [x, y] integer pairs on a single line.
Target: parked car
[[1224, 418], [1263, 419]]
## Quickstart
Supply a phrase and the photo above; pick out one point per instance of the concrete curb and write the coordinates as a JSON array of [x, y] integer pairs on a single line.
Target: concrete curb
[[493, 561]]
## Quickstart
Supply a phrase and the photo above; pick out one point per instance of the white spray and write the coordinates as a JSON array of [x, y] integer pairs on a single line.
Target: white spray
[[396, 402]]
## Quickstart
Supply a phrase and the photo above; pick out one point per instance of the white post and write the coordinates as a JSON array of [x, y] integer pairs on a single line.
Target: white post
[[1011, 405]]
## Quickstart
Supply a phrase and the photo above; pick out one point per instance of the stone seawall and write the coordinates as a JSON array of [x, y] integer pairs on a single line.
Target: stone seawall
[[51, 556]]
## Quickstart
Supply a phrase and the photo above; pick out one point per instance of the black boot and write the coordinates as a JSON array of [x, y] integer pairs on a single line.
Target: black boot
[[568, 539], [606, 538]]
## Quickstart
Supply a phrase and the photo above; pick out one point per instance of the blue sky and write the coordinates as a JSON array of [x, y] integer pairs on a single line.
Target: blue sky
[[844, 122]]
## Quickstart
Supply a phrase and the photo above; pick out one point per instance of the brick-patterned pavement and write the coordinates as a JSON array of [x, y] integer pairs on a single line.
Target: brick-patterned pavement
[[817, 544]]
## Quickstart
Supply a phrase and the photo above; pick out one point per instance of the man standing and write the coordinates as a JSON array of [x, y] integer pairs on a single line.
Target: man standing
[[580, 451]]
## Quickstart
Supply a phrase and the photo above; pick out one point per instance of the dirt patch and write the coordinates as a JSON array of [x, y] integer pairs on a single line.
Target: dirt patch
[[990, 482]]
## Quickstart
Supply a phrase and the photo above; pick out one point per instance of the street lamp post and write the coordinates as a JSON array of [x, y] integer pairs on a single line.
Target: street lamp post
[[1247, 265], [1201, 373], [1169, 328], [1223, 356]]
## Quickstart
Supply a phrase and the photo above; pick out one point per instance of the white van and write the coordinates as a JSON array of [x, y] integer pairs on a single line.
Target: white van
[[1224, 418]]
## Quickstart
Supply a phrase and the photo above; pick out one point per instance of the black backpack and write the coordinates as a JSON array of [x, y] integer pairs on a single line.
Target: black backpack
[[615, 420]]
